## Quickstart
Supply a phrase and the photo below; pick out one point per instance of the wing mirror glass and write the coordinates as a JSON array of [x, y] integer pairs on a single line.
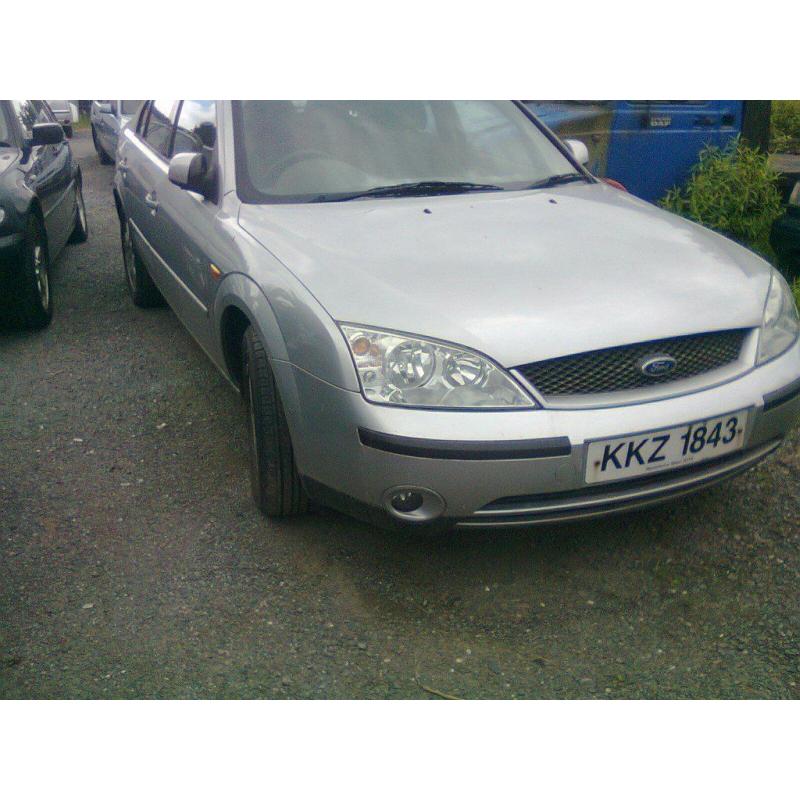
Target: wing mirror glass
[[189, 171], [580, 152], [47, 133]]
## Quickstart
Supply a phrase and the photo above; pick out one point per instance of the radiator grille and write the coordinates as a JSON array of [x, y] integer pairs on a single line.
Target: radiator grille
[[615, 369]]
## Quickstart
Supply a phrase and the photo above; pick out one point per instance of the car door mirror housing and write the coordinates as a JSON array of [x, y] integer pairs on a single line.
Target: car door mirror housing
[[580, 152], [47, 133], [189, 171]]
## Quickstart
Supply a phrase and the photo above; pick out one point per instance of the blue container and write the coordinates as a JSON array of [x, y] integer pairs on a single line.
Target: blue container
[[647, 145]]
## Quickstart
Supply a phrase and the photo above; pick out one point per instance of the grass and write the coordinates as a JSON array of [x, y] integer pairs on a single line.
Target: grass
[[796, 291], [82, 124], [785, 126]]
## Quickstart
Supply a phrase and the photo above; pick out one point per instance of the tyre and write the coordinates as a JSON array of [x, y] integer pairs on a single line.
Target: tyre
[[274, 480], [80, 233], [104, 159], [32, 302], [143, 291]]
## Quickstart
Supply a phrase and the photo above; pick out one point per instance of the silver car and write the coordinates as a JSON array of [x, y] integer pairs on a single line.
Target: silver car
[[66, 114], [436, 317], [108, 118]]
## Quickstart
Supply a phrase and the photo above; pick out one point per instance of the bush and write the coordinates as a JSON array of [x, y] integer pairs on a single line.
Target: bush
[[733, 191], [796, 290], [785, 126]]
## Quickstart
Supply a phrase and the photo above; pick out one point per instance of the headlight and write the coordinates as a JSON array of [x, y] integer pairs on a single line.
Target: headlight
[[409, 371], [781, 323]]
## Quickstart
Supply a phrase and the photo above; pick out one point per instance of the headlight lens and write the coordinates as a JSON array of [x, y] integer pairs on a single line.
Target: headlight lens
[[781, 324], [405, 370]]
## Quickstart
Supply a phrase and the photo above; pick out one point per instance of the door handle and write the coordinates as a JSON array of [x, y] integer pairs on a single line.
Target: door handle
[[151, 202]]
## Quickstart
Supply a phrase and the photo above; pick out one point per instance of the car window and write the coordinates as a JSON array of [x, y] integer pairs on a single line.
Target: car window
[[293, 151], [158, 127], [59, 105], [196, 131]]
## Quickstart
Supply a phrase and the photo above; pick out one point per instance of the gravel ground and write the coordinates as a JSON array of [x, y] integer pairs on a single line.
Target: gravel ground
[[133, 563]]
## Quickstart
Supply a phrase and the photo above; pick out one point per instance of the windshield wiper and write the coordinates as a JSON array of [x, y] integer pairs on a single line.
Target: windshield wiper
[[415, 189], [557, 180]]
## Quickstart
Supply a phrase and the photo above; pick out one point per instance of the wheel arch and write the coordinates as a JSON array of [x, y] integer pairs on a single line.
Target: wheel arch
[[118, 203], [35, 208], [240, 304]]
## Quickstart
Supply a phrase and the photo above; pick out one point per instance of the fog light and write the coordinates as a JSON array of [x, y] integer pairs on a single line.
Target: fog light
[[406, 502], [413, 503]]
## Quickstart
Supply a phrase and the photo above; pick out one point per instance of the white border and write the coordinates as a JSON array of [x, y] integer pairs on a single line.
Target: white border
[[283, 749]]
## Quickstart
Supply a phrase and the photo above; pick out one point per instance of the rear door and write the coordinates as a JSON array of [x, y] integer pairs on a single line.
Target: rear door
[[103, 126], [143, 165], [655, 143]]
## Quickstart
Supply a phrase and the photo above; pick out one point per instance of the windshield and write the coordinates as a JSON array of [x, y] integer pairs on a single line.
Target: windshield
[[130, 107], [300, 151], [59, 105]]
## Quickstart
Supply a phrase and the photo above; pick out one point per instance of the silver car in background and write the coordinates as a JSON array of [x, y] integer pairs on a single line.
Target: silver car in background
[[436, 317], [108, 118], [66, 113]]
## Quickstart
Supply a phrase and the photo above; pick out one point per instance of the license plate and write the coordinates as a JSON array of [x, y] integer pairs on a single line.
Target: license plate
[[669, 448]]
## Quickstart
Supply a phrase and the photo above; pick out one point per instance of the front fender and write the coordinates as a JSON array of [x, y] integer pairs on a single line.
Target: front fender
[[238, 291]]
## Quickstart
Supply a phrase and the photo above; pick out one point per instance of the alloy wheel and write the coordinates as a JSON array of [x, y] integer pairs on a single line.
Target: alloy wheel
[[129, 257], [40, 273]]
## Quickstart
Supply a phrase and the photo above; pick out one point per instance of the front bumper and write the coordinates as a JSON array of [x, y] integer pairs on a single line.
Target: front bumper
[[518, 467]]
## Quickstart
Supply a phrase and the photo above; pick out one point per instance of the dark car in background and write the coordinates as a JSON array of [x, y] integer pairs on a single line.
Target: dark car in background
[[41, 208], [785, 235], [108, 118]]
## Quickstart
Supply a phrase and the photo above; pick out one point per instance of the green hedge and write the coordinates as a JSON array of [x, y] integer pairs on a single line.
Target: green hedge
[[733, 191], [785, 126]]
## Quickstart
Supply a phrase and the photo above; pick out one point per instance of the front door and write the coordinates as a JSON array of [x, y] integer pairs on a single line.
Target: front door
[[189, 221]]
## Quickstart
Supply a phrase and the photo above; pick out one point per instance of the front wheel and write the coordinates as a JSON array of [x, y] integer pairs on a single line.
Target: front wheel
[[33, 303], [104, 159], [80, 233], [275, 482]]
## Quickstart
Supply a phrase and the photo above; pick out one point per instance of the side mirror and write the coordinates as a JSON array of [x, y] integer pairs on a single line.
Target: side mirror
[[579, 150], [189, 170], [794, 196], [104, 108], [47, 133]]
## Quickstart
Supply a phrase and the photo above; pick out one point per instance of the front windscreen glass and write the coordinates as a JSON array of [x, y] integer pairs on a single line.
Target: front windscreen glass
[[302, 151]]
